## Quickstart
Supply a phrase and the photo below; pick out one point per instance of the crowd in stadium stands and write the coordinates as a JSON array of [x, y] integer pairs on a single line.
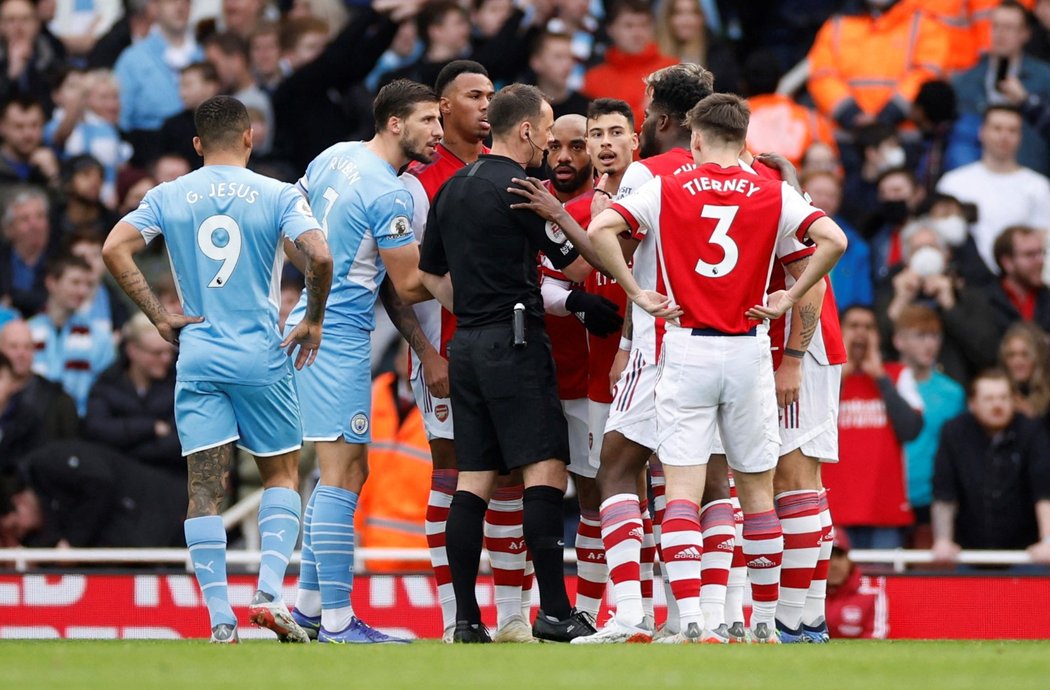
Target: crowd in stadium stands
[[922, 126]]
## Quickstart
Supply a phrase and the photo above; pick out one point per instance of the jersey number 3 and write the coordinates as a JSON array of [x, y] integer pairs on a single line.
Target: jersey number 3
[[724, 215], [219, 238]]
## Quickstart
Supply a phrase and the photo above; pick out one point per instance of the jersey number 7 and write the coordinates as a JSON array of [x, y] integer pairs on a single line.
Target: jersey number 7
[[724, 215]]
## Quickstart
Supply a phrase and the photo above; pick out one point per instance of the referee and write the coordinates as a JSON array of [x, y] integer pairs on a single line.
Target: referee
[[501, 373]]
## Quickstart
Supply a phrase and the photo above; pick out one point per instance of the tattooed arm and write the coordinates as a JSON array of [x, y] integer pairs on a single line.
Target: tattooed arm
[[317, 265], [123, 242], [403, 316], [804, 319]]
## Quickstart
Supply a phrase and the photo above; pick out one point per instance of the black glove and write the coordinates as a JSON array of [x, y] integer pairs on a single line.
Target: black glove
[[598, 315]]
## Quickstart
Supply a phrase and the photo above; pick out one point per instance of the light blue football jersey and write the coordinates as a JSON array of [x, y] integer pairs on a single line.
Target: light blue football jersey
[[362, 206], [223, 226]]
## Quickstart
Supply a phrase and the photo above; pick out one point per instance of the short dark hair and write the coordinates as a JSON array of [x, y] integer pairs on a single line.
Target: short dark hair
[[990, 374], [229, 44], [610, 106], [24, 102], [540, 42], [57, 266], [399, 99], [676, 89], [627, 7], [901, 170], [220, 122], [205, 69], [762, 72], [856, 307], [722, 115], [938, 102], [433, 13], [449, 72], [79, 163], [512, 104], [1004, 243], [1001, 108], [79, 236], [870, 136]]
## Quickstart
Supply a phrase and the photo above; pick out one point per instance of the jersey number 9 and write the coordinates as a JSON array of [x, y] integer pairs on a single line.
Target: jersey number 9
[[219, 238]]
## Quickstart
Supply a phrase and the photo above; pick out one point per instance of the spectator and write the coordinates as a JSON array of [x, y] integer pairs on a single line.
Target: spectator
[[35, 410], [148, 72], [134, 26], [854, 608], [777, 122], [991, 484], [404, 50], [444, 28], [302, 133], [103, 306], [1004, 192], [819, 157], [488, 17], [934, 113], [879, 148], [868, 67], [851, 277], [682, 32], [81, 209], [899, 197], [78, 494], [197, 83], [265, 50], [552, 63], [574, 19], [1005, 70], [917, 336], [925, 277], [1025, 357], [267, 164], [632, 56], [1020, 294], [239, 17], [28, 61], [303, 39], [23, 156], [1038, 45], [25, 251], [86, 124], [168, 167], [879, 411], [131, 408], [70, 349], [952, 219], [229, 54], [78, 25]]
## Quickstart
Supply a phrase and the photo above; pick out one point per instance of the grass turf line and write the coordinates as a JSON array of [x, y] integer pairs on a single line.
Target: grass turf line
[[842, 665]]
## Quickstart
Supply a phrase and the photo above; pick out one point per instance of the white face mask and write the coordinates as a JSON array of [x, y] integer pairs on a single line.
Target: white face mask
[[893, 158], [927, 261], [952, 230]]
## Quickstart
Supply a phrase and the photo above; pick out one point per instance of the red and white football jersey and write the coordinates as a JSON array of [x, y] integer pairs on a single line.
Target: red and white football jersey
[[423, 180], [715, 231], [647, 331], [567, 334]]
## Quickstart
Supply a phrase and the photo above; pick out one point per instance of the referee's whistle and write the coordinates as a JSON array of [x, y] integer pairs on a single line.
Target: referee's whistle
[[519, 325]]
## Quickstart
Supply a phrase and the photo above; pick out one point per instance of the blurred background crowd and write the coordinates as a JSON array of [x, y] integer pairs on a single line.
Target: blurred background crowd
[[922, 126]]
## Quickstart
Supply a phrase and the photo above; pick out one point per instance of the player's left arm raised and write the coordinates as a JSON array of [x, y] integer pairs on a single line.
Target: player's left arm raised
[[118, 252]]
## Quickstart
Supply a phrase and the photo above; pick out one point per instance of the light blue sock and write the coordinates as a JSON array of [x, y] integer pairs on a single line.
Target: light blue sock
[[279, 527], [332, 542], [206, 539], [308, 598]]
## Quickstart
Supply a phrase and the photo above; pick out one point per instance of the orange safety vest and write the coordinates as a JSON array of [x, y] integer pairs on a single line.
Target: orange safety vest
[[779, 124], [873, 60], [969, 26], [392, 507]]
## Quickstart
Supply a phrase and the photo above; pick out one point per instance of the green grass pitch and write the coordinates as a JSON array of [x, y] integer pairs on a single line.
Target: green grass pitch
[[114, 665]]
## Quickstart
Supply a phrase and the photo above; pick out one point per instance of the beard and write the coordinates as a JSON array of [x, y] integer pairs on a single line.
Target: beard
[[574, 183], [416, 150], [647, 145]]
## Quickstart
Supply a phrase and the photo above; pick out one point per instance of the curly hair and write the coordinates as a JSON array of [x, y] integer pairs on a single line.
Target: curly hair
[[676, 89]]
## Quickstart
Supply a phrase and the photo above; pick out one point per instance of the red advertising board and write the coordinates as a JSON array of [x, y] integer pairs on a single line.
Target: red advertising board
[[170, 606]]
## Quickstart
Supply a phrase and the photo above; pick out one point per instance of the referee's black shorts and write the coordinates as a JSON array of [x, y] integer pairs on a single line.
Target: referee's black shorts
[[505, 399]]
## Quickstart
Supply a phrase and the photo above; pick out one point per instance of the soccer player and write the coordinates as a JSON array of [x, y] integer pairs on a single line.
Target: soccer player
[[366, 213], [716, 367], [222, 225], [465, 90]]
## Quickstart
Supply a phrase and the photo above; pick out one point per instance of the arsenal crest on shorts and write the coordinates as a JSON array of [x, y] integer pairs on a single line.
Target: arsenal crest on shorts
[[441, 412]]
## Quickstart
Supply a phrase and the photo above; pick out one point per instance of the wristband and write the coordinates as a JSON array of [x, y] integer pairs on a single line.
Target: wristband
[[798, 354], [625, 343], [602, 191]]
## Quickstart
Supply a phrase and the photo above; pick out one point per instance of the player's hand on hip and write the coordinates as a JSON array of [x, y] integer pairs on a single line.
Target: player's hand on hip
[[538, 199], [170, 325], [776, 306], [788, 378], [435, 373], [658, 305], [307, 337], [602, 199]]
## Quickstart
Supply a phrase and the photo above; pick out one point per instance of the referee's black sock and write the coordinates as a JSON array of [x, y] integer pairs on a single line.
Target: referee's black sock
[[543, 536], [463, 533]]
